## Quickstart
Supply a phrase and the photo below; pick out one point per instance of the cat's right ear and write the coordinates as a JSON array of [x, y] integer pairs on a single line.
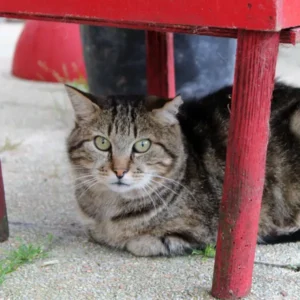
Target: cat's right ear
[[84, 108], [165, 109]]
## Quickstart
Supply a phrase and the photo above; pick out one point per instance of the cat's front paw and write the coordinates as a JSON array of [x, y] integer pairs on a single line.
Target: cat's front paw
[[147, 245]]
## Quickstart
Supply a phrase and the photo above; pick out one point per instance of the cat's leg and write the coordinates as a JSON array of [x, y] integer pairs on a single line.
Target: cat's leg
[[148, 245]]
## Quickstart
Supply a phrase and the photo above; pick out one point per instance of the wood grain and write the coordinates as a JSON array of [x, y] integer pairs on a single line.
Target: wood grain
[[287, 36], [245, 163], [246, 14]]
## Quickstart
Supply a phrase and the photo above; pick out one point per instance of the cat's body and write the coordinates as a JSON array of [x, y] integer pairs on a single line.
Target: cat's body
[[165, 200]]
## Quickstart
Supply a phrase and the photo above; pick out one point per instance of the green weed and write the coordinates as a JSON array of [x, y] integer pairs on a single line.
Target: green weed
[[208, 252], [23, 254]]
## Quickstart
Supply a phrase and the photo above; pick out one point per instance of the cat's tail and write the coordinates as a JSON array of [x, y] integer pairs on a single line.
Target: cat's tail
[[280, 239]]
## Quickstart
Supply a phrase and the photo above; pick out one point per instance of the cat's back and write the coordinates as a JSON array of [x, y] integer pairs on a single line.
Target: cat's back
[[204, 122], [204, 116]]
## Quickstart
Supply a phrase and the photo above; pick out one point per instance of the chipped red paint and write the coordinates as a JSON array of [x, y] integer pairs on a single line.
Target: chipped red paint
[[287, 36], [250, 111], [245, 14], [245, 163]]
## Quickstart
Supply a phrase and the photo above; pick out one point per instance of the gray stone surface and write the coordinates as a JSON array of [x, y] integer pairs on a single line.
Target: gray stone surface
[[40, 201]]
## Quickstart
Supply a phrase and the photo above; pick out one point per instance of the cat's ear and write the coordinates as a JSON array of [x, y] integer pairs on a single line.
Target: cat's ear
[[83, 106], [165, 109]]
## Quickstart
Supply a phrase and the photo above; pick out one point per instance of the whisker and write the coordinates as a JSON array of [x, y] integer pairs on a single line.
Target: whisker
[[144, 202], [154, 181], [83, 176], [153, 202], [83, 185], [89, 187], [174, 181], [164, 203]]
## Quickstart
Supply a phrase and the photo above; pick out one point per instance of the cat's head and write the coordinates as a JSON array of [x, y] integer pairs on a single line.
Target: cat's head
[[123, 143]]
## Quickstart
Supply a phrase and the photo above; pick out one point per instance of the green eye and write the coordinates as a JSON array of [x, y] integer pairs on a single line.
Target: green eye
[[102, 143], [142, 146]]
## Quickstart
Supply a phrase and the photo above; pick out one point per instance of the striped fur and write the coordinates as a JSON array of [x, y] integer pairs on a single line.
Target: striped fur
[[168, 201]]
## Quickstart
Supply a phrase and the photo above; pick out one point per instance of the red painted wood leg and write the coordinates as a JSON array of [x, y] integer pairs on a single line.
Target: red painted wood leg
[[3, 215], [160, 64], [245, 163]]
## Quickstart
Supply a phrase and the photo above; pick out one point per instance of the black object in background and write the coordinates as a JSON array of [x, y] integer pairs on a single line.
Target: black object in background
[[116, 61]]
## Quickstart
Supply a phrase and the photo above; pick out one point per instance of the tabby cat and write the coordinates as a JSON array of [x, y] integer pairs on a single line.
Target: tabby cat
[[149, 171]]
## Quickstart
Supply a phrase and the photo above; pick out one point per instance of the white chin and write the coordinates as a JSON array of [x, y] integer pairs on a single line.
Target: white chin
[[120, 188]]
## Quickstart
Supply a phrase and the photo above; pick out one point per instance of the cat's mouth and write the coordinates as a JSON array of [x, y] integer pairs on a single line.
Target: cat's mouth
[[120, 183], [120, 187]]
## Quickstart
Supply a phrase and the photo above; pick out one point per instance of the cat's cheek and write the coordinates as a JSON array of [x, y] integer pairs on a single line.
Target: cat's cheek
[[160, 166], [167, 162], [101, 161], [139, 165]]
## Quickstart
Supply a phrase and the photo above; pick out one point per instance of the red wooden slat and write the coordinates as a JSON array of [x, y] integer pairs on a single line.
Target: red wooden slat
[[245, 163], [290, 36], [288, 13], [287, 36], [190, 29], [3, 215], [160, 64], [246, 14]]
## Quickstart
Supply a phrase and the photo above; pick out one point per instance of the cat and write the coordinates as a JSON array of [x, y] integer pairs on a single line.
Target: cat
[[149, 171]]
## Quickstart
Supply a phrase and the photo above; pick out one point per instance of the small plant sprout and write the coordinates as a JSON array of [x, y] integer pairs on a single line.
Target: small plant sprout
[[208, 252], [25, 253]]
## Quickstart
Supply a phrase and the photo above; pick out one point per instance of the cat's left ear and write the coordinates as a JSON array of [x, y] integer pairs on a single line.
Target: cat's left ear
[[166, 109], [82, 103]]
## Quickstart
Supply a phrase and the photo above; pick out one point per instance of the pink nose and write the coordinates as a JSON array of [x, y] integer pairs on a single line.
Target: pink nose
[[120, 173]]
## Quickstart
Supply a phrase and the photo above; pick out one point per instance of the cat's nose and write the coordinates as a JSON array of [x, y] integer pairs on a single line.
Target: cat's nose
[[120, 173]]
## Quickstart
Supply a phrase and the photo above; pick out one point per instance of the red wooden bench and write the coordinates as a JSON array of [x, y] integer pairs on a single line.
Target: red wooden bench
[[259, 26]]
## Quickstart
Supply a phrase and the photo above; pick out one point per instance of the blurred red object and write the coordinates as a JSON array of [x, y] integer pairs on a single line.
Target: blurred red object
[[49, 51]]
